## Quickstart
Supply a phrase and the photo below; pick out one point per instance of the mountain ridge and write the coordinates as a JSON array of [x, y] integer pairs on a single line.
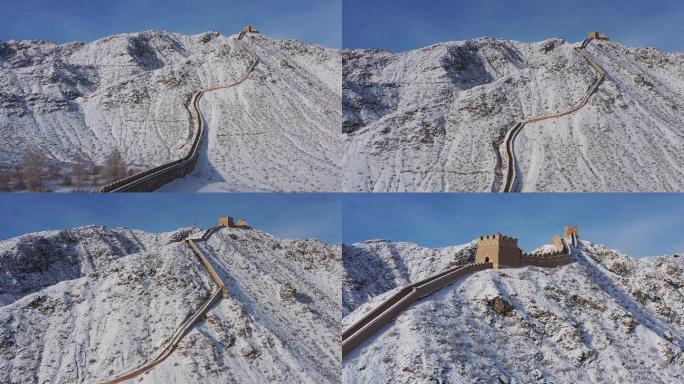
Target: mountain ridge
[[129, 92], [92, 325], [428, 119]]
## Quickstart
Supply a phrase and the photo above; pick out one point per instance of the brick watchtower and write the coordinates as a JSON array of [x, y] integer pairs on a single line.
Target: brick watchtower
[[572, 232], [499, 250], [228, 222], [249, 29], [597, 36]]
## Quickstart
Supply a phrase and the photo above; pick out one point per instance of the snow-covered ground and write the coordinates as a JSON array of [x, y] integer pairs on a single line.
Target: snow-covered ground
[[86, 304], [429, 119], [377, 266], [279, 130], [605, 318]]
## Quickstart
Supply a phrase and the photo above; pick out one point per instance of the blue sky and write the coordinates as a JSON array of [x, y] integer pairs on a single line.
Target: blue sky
[[285, 215], [312, 21], [400, 25], [636, 224]]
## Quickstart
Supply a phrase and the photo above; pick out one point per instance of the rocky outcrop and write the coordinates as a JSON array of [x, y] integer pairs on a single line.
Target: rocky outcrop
[[500, 305]]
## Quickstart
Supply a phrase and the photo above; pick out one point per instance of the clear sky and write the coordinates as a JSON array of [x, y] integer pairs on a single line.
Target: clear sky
[[285, 215], [636, 224], [311, 21], [400, 25]]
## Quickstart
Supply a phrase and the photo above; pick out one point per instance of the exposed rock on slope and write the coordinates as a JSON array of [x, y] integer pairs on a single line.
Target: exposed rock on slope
[[95, 303], [604, 318], [429, 119], [131, 92], [36, 261]]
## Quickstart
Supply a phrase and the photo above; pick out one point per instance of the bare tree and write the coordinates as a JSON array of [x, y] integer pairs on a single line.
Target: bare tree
[[53, 171], [95, 174], [5, 178], [67, 181], [18, 178], [33, 169], [114, 166], [79, 173]]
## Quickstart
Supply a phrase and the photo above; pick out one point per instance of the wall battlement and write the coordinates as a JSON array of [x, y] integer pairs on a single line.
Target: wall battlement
[[498, 236], [545, 255], [498, 239]]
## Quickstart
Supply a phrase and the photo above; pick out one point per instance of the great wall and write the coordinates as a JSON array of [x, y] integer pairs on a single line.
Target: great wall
[[154, 178], [493, 252], [221, 291], [509, 169]]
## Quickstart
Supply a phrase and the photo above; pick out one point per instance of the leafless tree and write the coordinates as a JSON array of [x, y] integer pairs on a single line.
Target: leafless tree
[[79, 173], [53, 171], [33, 169], [5, 178], [114, 166], [67, 181], [18, 178]]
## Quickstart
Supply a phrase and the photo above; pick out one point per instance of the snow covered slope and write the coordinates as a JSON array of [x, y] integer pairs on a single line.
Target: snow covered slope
[[605, 318], [377, 266], [87, 304], [431, 119], [131, 92]]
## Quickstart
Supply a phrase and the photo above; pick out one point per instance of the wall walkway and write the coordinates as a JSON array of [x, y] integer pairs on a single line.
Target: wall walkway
[[375, 320], [511, 182], [172, 343]]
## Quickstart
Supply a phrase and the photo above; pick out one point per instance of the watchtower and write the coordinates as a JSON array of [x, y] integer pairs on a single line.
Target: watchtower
[[572, 232], [499, 250], [242, 223], [597, 36], [249, 29], [226, 221], [557, 242]]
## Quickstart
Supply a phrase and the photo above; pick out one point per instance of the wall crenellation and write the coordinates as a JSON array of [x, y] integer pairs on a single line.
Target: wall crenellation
[[545, 255]]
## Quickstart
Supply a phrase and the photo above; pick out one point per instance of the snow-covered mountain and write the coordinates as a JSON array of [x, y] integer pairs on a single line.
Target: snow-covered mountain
[[604, 318], [87, 304], [431, 119], [278, 130]]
